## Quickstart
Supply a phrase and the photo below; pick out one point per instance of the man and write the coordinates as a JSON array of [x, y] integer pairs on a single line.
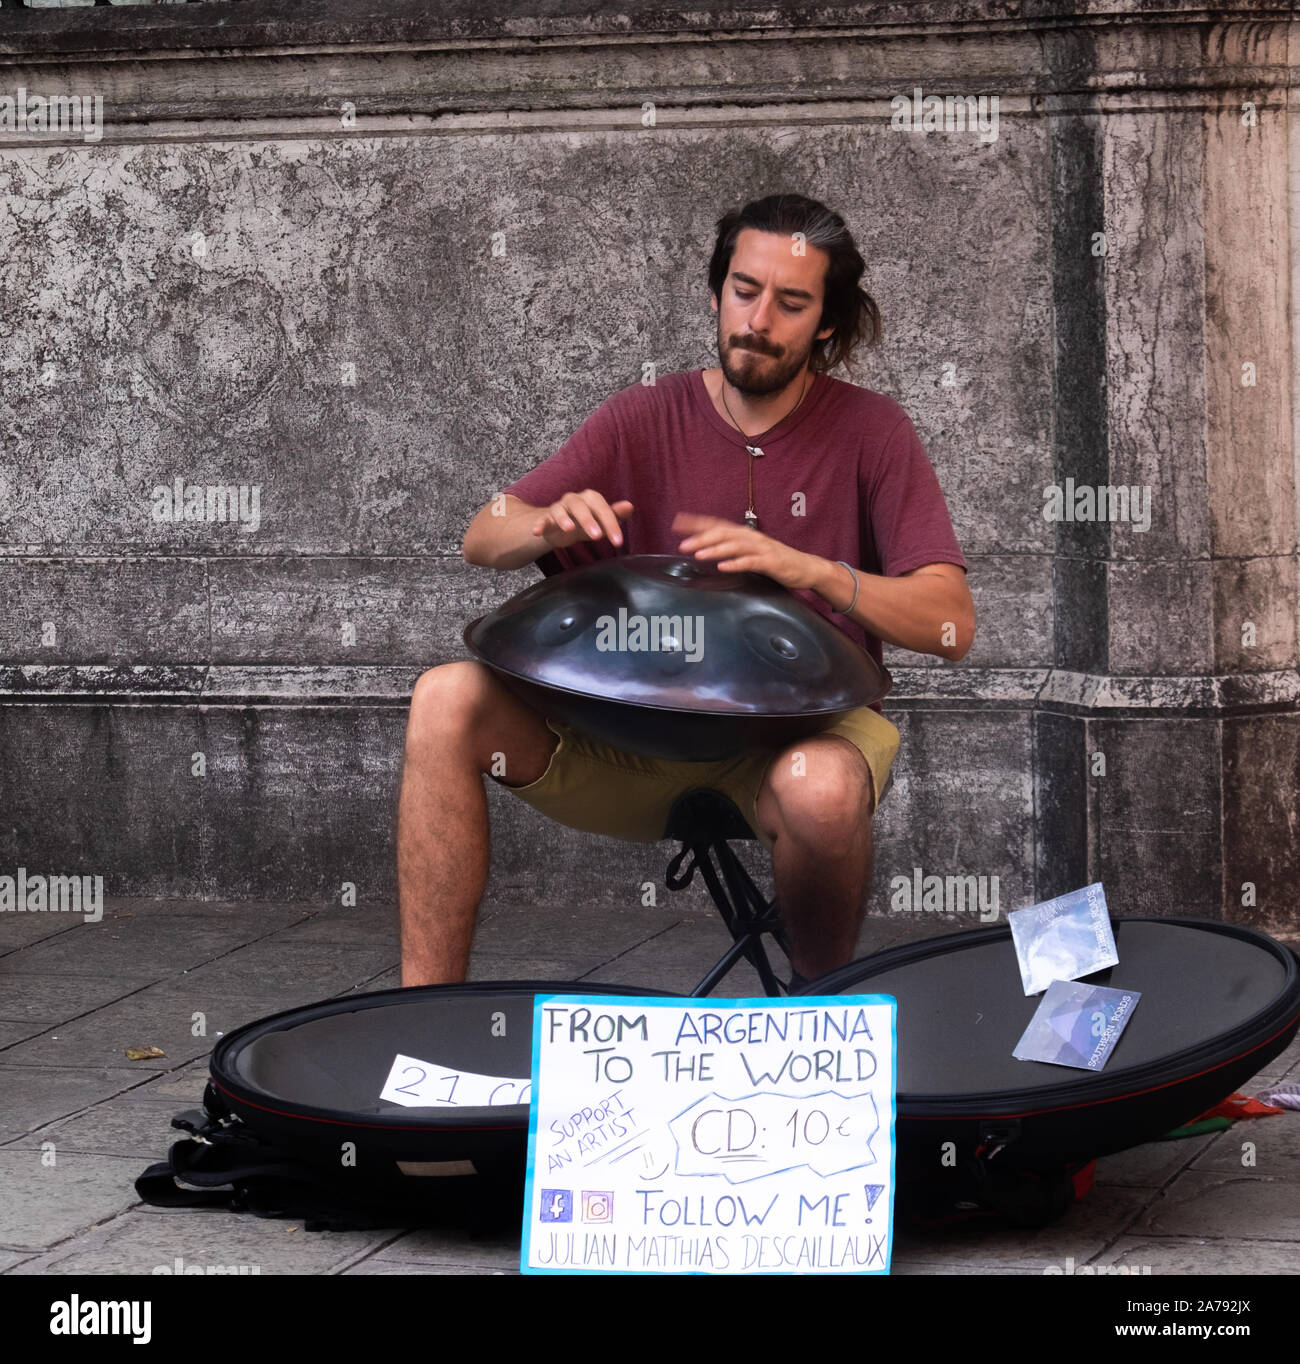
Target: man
[[766, 465]]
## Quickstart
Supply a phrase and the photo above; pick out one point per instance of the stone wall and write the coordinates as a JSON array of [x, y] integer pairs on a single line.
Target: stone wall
[[374, 262]]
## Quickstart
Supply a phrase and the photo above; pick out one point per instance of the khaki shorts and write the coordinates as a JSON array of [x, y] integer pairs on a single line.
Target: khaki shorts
[[593, 786]]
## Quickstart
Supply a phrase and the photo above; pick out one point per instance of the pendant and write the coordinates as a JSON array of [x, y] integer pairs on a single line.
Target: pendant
[[754, 449], [751, 520]]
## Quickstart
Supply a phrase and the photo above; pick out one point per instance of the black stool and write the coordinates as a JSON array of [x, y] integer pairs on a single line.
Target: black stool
[[703, 820]]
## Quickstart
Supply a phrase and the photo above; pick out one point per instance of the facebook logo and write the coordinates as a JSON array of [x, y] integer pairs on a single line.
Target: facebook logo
[[557, 1205]]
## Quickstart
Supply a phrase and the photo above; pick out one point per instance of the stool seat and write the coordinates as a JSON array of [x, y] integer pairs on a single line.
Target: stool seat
[[703, 821], [704, 814]]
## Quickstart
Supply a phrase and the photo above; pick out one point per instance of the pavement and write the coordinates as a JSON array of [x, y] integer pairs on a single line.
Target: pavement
[[79, 1120]]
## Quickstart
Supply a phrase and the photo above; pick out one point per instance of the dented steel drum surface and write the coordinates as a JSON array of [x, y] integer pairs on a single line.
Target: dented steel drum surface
[[670, 657]]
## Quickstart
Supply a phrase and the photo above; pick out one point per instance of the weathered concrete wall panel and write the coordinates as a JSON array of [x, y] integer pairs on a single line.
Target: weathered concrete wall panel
[[328, 322]]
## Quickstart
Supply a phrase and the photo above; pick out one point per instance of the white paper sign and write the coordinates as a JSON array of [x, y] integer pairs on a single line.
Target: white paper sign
[[711, 1136], [422, 1084]]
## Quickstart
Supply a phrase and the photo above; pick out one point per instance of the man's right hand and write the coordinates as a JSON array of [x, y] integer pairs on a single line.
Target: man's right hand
[[581, 516], [517, 534]]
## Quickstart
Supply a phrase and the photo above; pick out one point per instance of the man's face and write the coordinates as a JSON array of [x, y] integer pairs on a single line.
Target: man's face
[[771, 304]]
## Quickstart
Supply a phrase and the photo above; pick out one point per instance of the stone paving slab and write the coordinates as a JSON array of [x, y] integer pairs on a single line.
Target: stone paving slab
[[279, 991], [345, 926], [185, 1084], [597, 933], [146, 1237], [137, 1124], [43, 1206], [35, 1096], [276, 965], [47, 998], [1286, 1065], [1152, 1165], [378, 1266], [433, 1248], [1082, 1234], [1270, 1145], [151, 1018], [1197, 1255], [390, 979], [678, 957], [22, 930], [493, 966], [1243, 1206], [155, 943], [178, 1083], [915, 1269], [13, 1033]]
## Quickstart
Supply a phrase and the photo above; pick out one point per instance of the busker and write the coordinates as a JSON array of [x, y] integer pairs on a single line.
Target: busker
[[765, 464]]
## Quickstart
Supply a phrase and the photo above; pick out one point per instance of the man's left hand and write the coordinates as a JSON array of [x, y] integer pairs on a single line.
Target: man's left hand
[[741, 549]]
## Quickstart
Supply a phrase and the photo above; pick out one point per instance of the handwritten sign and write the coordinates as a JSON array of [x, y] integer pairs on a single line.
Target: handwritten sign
[[711, 1136], [423, 1084]]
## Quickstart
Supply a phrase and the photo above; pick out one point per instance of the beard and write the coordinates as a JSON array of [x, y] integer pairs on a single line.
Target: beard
[[757, 373]]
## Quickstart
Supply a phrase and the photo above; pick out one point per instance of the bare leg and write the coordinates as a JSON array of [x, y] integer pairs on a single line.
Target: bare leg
[[818, 814], [460, 717]]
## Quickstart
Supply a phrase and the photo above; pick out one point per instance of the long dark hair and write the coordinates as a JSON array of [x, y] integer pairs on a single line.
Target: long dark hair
[[846, 306]]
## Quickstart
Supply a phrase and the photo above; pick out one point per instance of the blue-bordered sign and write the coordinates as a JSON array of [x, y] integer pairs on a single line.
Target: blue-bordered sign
[[711, 1136]]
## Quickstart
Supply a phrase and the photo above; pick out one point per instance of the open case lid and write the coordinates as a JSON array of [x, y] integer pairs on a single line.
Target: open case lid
[[1218, 1002], [1211, 992], [325, 1064]]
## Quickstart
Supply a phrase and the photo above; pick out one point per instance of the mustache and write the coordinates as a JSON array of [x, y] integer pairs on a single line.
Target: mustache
[[761, 348]]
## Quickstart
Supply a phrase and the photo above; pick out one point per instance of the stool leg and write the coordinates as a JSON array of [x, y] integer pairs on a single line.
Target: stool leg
[[757, 914], [746, 914]]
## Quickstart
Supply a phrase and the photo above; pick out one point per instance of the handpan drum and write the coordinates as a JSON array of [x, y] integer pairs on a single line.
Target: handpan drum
[[673, 658]]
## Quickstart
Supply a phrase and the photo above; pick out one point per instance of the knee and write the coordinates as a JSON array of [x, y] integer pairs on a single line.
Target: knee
[[449, 697], [820, 791]]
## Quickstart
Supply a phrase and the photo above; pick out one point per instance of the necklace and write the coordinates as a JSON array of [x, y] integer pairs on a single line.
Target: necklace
[[756, 451]]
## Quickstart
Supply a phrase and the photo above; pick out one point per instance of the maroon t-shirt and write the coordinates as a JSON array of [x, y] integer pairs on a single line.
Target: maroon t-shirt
[[844, 476]]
